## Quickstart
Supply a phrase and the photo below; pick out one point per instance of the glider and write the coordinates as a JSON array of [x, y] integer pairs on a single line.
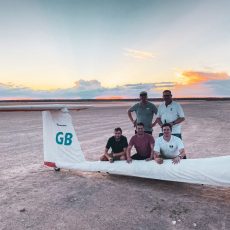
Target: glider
[[62, 150]]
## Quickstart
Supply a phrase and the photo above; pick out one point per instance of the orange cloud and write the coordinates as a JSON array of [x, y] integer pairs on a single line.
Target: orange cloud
[[192, 83], [196, 77]]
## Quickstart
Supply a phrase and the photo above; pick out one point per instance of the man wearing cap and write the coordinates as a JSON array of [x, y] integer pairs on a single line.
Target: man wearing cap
[[170, 112], [144, 113]]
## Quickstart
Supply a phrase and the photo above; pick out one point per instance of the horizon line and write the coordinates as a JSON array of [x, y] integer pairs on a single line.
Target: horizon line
[[113, 100]]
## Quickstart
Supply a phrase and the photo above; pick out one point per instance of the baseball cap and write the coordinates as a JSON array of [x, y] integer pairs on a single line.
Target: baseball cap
[[143, 93]]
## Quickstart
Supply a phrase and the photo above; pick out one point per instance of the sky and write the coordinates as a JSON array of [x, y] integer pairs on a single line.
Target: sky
[[114, 48]]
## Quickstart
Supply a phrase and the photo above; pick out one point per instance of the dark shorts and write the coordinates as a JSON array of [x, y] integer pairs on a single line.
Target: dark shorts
[[137, 156], [149, 132], [174, 134]]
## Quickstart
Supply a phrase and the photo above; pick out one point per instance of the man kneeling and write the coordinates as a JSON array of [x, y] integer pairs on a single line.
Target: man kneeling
[[143, 143], [118, 143], [168, 146]]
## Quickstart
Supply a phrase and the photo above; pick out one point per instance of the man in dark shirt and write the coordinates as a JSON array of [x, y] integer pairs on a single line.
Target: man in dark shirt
[[143, 143], [118, 143]]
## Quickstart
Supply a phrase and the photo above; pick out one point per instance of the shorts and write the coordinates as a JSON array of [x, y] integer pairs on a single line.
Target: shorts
[[138, 157], [149, 132]]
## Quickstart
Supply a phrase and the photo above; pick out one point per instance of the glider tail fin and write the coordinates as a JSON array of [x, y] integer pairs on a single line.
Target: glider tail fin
[[60, 141]]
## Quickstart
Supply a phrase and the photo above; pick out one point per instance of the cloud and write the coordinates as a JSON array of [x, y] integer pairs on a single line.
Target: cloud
[[82, 89], [198, 77], [139, 54], [189, 84], [87, 85], [201, 84], [220, 87]]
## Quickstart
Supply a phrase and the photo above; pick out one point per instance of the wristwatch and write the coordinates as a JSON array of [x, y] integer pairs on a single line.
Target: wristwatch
[[111, 159]]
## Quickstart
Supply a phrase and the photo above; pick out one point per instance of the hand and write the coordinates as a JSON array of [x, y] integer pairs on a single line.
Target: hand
[[111, 160], [129, 160], [135, 123], [110, 154], [149, 159], [159, 160], [176, 160]]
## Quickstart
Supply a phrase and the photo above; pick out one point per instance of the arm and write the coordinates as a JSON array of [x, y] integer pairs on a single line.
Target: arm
[[109, 156], [180, 114], [131, 118], [177, 121], [157, 121], [128, 154], [177, 159], [157, 158], [124, 146], [182, 153], [121, 153], [156, 153], [152, 153]]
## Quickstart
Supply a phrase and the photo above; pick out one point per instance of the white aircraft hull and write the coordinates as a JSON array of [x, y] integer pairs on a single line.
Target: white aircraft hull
[[211, 171], [62, 149]]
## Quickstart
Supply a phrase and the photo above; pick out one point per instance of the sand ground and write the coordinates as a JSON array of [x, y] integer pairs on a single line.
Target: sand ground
[[35, 197]]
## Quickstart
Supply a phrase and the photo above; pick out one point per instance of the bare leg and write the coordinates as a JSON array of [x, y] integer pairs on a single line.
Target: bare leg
[[123, 157], [104, 158]]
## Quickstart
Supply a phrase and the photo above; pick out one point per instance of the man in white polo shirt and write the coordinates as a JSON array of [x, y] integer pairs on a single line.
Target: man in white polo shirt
[[168, 146], [170, 112]]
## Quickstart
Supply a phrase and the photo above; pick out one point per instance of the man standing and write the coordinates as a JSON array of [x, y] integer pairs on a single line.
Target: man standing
[[170, 112], [144, 112], [168, 146], [143, 144], [118, 143]]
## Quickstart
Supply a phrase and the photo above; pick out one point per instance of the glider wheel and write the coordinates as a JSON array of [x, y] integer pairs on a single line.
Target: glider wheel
[[56, 169]]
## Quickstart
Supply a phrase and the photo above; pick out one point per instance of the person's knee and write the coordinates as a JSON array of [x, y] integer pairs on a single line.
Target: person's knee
[[123, 157], [103, 158]]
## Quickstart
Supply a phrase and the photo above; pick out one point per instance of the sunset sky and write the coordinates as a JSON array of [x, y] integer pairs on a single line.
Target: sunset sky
[[114, 48]]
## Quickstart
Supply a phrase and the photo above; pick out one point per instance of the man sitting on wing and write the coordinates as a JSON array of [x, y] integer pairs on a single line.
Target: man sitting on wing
[[168, 146], [118, 143], [143, 143]]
